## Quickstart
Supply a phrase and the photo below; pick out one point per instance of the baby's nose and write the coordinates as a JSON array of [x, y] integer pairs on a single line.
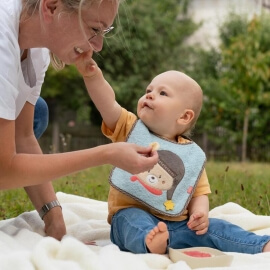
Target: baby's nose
[[150, 95]]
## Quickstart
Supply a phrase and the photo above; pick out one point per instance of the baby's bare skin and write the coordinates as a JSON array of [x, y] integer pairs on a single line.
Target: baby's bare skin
[[156, 240]]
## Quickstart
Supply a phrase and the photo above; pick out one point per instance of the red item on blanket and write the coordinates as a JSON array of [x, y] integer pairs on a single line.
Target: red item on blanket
[[196, 253]]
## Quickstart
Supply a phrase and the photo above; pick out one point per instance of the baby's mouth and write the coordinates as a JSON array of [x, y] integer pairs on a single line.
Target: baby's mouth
[[145, 104], [78, 50]]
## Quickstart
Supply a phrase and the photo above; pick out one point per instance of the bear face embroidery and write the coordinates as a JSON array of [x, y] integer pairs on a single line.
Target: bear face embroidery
[[155, 180], [164, 177]]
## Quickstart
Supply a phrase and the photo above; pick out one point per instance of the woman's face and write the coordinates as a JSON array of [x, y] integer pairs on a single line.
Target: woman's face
[[67, 40]]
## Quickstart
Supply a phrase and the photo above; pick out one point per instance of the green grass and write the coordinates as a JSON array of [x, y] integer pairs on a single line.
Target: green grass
[[246, 184], [91, 183]]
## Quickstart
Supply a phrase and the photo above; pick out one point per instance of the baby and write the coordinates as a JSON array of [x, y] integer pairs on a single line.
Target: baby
[[167, 206]]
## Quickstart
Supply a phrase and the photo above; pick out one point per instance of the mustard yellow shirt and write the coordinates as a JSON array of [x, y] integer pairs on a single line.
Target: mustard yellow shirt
[[116, 199]]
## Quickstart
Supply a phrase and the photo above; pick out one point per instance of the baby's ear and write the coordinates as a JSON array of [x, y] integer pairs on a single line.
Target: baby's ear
[[186, 117]]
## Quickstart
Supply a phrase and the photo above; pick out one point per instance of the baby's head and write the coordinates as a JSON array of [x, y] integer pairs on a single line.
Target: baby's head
[[171, 104]]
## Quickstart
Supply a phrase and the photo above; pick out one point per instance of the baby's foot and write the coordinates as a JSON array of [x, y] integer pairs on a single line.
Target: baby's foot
[[267, 247], [156, 239]]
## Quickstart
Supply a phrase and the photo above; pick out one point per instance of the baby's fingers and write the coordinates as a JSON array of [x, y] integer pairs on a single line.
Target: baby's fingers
[[194, 219], [202, 231], [200, 226]]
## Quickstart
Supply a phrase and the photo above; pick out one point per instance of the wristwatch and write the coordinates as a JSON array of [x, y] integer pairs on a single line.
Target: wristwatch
[[47, 207]]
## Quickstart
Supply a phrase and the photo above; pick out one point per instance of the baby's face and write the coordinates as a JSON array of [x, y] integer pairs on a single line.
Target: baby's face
[[164, 102]]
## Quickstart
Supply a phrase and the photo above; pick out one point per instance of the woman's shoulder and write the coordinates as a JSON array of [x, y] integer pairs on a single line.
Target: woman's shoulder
[[40, 56], [10, 11]]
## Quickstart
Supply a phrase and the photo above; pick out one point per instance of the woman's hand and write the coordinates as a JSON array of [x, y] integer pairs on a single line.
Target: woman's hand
[[131, 157], [54, 223]]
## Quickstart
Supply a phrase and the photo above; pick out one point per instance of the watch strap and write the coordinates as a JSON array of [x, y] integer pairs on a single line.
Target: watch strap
[[47, 207]]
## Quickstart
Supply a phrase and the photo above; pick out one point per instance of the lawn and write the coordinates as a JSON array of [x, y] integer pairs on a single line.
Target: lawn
[[246, 184]]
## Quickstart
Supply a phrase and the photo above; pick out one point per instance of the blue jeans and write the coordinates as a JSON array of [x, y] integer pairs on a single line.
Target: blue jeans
[[41, 117], [131, 225]]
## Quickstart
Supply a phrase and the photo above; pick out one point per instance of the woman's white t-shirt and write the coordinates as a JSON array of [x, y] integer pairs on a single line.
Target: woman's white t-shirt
[[19, 81]]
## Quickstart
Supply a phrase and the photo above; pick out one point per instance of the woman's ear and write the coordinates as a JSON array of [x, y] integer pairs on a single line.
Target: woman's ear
[[186, 117], [48, 8]]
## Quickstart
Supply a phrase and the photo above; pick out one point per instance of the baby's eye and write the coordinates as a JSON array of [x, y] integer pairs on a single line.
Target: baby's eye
[[148, 91], [163, 93]]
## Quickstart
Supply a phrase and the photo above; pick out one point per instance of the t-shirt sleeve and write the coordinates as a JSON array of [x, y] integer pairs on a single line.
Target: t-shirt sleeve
[[123, 127], [9, 66], [41, 61], [203, 187]]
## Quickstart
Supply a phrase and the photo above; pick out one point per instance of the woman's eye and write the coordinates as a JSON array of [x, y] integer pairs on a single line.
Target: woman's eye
[[97, 31], [163, 93]]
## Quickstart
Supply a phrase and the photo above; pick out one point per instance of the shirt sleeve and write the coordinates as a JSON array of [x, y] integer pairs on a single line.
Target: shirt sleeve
[[9, 67], [123, 127], [41, 60], [17, 85], [203, 186]]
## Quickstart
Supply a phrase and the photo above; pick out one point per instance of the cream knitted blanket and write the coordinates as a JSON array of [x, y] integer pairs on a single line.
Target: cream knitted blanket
[[24, 247]]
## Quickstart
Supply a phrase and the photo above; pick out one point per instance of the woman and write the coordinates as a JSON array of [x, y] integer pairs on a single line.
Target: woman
[[71, 30]]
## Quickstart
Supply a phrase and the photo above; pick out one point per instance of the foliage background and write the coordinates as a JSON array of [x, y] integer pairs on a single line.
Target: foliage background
[[149, 38]]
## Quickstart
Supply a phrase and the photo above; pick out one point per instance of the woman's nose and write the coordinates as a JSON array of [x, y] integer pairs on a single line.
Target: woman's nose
[[97, 43]]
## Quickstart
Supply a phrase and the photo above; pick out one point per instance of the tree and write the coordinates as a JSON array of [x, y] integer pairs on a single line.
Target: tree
[[64, 90], [246, 69]]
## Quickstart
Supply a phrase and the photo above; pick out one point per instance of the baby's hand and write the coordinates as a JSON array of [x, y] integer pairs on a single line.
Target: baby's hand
[[86, 65], [198, 222]]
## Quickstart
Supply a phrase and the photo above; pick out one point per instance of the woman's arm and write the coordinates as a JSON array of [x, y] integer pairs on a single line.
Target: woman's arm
[[25, 169], [43, 193]]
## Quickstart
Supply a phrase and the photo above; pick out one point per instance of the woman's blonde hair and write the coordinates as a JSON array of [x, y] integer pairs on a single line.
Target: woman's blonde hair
[[31, 6]]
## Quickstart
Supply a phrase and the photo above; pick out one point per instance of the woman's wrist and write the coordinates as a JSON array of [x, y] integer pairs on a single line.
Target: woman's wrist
[[46, 208], [108, 153]]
